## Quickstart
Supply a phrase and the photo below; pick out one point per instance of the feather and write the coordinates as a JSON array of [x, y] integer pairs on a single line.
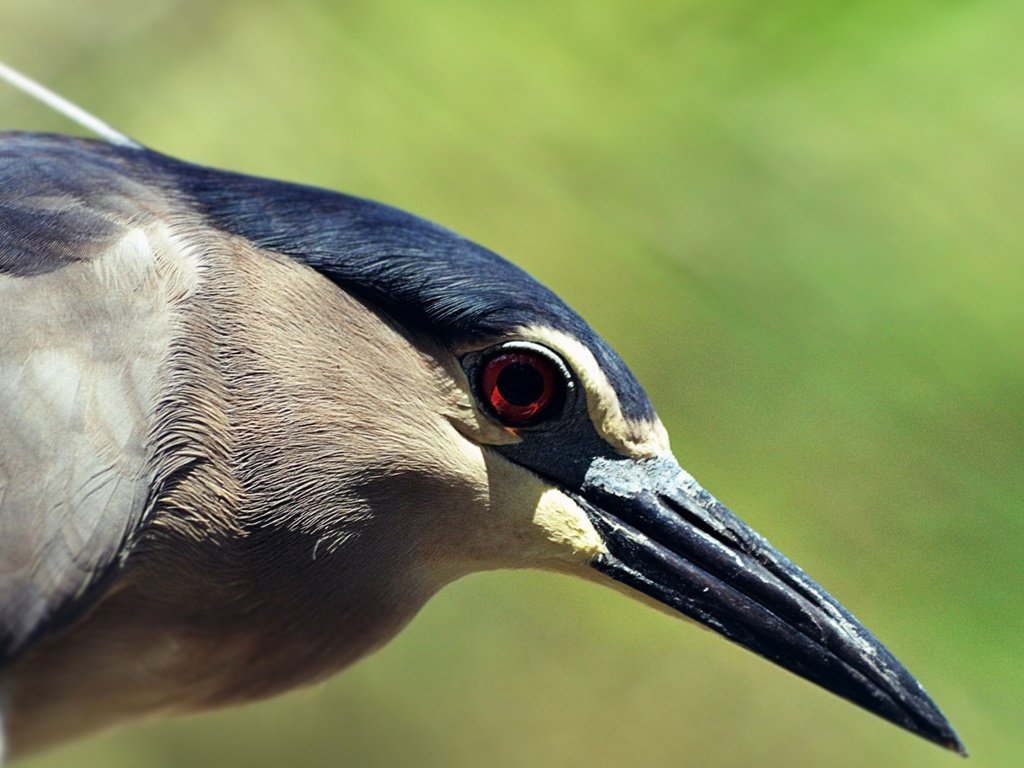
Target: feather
[[64, 107]]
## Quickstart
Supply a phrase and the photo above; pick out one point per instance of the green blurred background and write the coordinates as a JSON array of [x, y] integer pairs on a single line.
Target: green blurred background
[[800, 223]]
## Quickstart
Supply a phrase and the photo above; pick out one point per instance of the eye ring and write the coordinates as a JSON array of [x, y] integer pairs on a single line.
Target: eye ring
[[520, 384]]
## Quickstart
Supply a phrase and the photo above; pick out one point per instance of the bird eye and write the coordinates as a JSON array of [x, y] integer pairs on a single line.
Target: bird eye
[[520, 386]]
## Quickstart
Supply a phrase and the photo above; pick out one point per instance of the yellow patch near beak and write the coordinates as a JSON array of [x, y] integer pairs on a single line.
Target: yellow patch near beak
[[567, 526], [527, 521]]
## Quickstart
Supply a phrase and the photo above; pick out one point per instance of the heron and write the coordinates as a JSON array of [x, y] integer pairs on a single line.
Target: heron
[[249, 427]]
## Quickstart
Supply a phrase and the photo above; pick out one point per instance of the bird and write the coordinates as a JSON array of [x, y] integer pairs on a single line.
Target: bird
[[248, 428]]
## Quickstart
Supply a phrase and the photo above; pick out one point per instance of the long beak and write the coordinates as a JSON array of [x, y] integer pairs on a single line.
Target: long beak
[[671, 540]]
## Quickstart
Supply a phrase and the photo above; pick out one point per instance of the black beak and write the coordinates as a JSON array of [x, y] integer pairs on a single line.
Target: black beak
[[671, 540]]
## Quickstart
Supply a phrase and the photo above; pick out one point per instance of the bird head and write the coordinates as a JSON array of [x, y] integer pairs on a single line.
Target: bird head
[[526, 441]]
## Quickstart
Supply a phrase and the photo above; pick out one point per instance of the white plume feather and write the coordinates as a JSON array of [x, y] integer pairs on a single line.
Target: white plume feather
[[64, 107]]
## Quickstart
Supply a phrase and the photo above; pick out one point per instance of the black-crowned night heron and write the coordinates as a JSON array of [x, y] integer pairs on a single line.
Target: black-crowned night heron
[[248, 428]]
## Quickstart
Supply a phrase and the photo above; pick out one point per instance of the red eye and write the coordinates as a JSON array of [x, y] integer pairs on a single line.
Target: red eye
[[519, 385]]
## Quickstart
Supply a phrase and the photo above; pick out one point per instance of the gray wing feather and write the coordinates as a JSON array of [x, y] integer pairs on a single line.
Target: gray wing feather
[[84, 328]]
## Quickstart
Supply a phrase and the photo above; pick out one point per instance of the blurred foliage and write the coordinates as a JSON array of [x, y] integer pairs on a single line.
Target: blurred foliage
[[799, 222]]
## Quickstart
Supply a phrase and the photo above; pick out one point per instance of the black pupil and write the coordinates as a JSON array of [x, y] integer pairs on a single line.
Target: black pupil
[[520, 384]]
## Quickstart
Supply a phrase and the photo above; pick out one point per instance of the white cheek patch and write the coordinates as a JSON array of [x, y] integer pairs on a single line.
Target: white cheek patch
[[637, 439], [567, 526]]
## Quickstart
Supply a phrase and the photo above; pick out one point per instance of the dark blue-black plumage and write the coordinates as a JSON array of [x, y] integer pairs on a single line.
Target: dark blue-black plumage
[[418, 272]]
